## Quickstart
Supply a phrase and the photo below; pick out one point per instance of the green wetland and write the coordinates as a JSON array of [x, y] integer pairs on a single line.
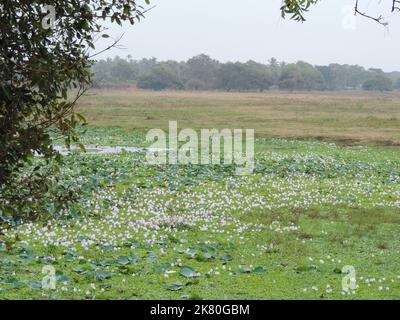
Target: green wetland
[[202, 232]]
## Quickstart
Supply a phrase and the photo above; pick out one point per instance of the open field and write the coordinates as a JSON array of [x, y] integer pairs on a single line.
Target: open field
[[203, 232], [341, 116]]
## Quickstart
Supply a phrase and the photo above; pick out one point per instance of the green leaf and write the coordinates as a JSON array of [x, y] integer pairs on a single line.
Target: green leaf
[[337, 271], [106, 262], [245, 270], [34, 285], [123, 261], [13, 282], [70, 256], [205, 256], [61, 277], [161, 268], [175, 286], [304, 268], [260, 270], [102, 275], [188, 272], [152, 257], [134, 258], [226, 257]]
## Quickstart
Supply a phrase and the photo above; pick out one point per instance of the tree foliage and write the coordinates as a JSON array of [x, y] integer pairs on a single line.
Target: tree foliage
[[378, 82], [40, 62], [161, 77], [297, 9], [301, 76], [397, 84], [201, 72], [204, 73]]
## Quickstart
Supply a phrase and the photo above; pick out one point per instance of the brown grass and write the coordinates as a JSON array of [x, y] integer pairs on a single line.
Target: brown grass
[[339, 116]]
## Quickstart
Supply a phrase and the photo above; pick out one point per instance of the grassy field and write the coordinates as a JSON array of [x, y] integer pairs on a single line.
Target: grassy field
[[202, 232], [343, 116]]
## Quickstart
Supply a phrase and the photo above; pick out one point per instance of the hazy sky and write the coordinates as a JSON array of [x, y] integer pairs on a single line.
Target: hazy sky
[[233, 30]]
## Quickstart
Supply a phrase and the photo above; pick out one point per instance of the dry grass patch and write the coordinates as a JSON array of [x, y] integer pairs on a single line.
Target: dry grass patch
[[336, 116]]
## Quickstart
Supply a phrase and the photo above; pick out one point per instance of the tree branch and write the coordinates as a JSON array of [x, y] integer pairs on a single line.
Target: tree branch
[[395, 5], [380, 19]]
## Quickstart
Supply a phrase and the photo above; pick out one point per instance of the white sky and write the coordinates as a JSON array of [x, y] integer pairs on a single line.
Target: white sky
[[233, 30]]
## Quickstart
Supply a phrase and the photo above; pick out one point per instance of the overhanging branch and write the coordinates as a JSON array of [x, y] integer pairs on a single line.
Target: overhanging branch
[[380, 19], [395, 5]]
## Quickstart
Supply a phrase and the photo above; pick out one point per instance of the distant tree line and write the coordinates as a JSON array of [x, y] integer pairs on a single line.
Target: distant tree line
[[204, 73]]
